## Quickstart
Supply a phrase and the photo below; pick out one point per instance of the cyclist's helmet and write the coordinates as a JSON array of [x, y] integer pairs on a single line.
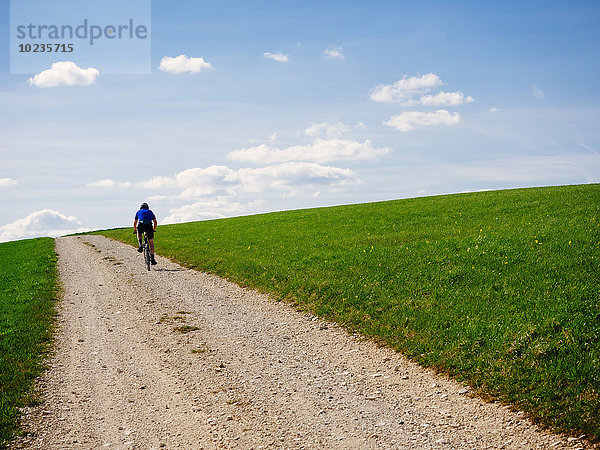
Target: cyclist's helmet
[[144, 206]]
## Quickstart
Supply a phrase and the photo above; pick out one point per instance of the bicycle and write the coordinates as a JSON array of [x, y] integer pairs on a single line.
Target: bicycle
[[146, 250], [146, 247]]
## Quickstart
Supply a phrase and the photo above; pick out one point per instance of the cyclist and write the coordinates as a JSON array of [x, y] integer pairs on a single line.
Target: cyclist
[[145, 221]]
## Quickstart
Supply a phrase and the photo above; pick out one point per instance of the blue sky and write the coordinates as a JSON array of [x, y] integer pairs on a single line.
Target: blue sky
[[302, 104]]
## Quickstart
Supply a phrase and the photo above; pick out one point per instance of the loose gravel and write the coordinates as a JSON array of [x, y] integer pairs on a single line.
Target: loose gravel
[[175, 358]]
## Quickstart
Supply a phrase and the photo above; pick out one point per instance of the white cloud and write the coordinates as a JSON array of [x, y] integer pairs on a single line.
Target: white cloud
[[183, 63], [333, 53], [406, 88], [41, 223], [289, 177], [225, 183], [537, 92], [106, 183], [292, 178], [445, 99], [198, 182], [220, 191], [279, 57], [65, 73], [7, 182], [327, 129], [493, 109], [195, 182], [412, 91], [410, 120], [273, 137], [320, 151]]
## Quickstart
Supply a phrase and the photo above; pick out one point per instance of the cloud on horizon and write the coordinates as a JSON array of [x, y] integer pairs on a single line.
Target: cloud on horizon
[[278, 173], [219, 191], [290, 177], [45, 222], [64, 73]]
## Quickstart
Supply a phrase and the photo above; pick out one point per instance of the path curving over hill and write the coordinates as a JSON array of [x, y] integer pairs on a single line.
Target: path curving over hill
[[175, 358]]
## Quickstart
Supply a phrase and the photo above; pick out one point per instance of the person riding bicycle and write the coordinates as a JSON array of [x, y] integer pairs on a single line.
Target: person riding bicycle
[[145, 221]]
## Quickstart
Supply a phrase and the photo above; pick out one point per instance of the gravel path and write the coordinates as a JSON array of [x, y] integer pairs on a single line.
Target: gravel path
[[174, 358]]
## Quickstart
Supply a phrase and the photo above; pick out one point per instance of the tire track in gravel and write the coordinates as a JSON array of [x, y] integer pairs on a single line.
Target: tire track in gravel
[[175, 358]]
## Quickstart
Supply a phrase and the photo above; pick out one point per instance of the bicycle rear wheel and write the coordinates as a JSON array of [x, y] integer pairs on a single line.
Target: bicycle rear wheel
[[147, 253]]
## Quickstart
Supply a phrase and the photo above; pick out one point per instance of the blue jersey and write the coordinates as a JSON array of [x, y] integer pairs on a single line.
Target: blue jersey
[[145, 216]]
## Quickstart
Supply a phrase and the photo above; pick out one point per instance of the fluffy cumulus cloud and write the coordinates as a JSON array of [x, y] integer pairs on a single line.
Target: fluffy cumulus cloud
[[201, 181], [292, 178], [40, 223], [333, 53], [220, 191], [182, 64], [193, 182], [405, 89], [65, 73], [320, 151], [420, 91], [279, 57], [7, 182], [445, 99], [216, 191], [223, 181], [411, 120]]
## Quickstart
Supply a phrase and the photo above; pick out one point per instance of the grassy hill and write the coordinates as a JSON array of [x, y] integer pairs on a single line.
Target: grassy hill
[[27, 290], [498, 289]]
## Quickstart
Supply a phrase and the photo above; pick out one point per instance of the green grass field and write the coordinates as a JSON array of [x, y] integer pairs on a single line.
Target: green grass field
[[27, 290], [498, 289]]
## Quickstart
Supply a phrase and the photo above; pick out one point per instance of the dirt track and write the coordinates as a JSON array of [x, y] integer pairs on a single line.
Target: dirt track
[[254, 374]]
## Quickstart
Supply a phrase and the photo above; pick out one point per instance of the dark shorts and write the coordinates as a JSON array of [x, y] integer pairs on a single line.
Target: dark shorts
[[147, 227]]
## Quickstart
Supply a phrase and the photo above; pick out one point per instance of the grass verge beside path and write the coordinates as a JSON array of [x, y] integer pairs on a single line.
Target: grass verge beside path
[[498, 289], [27, 291]]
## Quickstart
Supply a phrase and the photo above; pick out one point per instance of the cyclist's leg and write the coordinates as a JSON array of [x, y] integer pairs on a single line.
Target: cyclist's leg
[[140, 238], [151, 248], [150, 234]]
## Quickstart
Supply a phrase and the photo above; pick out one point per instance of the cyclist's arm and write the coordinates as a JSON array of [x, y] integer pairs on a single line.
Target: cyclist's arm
[[155, 223], [135, 221]]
